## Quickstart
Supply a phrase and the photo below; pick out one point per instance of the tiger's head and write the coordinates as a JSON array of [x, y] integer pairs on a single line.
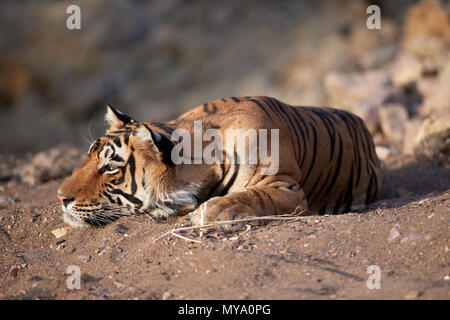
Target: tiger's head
[[128, 171]]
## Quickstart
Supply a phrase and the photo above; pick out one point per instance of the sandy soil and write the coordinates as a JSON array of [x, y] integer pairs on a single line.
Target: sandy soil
[[405, 233]]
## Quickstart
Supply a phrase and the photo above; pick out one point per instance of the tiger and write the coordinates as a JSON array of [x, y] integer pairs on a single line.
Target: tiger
[[326, 164]]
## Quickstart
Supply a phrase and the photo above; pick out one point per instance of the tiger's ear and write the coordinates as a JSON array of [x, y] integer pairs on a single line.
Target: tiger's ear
[[157, 142], [116, 118]]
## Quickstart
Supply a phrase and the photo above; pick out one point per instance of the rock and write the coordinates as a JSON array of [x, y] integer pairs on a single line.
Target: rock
[[4, 200], [345, 90], [60, 232], [13, 271], [84, 258], [406, 70], [393, 234], [360, 93], [411, 129], [55, 163], [392, 119], [385, 152], [436, 95], [432, 142], [413, 294], [411, 237], [427, 35], [166, 295]]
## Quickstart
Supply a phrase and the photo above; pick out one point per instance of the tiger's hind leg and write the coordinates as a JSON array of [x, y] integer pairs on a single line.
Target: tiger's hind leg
[[276, 198]]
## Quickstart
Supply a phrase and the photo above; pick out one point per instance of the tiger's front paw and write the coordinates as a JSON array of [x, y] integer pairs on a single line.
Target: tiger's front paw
[[217, 209]]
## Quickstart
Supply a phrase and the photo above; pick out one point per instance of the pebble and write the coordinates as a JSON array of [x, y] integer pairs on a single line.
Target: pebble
[[412, 294], [7, 200], [166, 295], [393, 234], [60, 232], [446, 278], [84, 258], [411, 237], [13, 271]]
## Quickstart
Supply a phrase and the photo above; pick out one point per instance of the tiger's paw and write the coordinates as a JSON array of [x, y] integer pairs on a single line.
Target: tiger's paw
[[215, 210]]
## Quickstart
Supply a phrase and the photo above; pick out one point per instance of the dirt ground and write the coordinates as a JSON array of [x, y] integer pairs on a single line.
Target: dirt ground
[[405, 233]]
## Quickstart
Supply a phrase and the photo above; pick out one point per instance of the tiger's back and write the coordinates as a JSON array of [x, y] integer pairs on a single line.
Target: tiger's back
[[333, 150]]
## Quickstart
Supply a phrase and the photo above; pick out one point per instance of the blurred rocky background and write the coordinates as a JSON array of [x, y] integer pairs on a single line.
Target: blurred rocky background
[[156, 59]]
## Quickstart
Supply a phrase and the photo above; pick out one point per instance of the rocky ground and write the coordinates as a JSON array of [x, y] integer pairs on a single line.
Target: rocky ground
[[405, 233]]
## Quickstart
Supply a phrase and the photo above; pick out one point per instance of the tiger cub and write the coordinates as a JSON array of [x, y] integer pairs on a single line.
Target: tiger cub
[[226, 159]]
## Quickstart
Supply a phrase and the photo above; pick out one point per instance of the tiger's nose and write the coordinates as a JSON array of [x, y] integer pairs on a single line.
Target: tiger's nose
[[65, 201]]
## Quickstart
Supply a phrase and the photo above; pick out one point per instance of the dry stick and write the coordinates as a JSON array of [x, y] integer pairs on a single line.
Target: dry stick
[[174, 231]]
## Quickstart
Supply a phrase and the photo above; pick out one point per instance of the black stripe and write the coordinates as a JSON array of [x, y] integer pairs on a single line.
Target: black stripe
[[349, 196], [271, 201], [117, 142], [369, 190], [296, 116], [337, 205], [294, 128], [272, 107], [354, 135], [235, 99], [117, 158], [314, 155], [260, 199], [314, 186], [253, 174], [126, 137], [263, 109], [327, 123], [338, 167], [320, 192], [129, 197], [213, 190], [323, 209], [132, 164], [233, 178], [109, 197]]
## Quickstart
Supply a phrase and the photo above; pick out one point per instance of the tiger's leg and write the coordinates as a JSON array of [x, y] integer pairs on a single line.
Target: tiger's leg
[[276, 198]]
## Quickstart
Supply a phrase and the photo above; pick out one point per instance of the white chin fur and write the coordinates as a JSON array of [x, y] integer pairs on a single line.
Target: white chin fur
[[73, 221]]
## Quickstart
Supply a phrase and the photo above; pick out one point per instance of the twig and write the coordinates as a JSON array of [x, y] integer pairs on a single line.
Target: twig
[[217, 223]]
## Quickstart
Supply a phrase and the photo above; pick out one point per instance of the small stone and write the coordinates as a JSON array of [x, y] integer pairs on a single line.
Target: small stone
[[60, 232], [13, 271], [392, 121], [432, 142], [4, 200], [84, 258], [166, 295], [385, 152], [412, 295], [393, 234], [446, 278]]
